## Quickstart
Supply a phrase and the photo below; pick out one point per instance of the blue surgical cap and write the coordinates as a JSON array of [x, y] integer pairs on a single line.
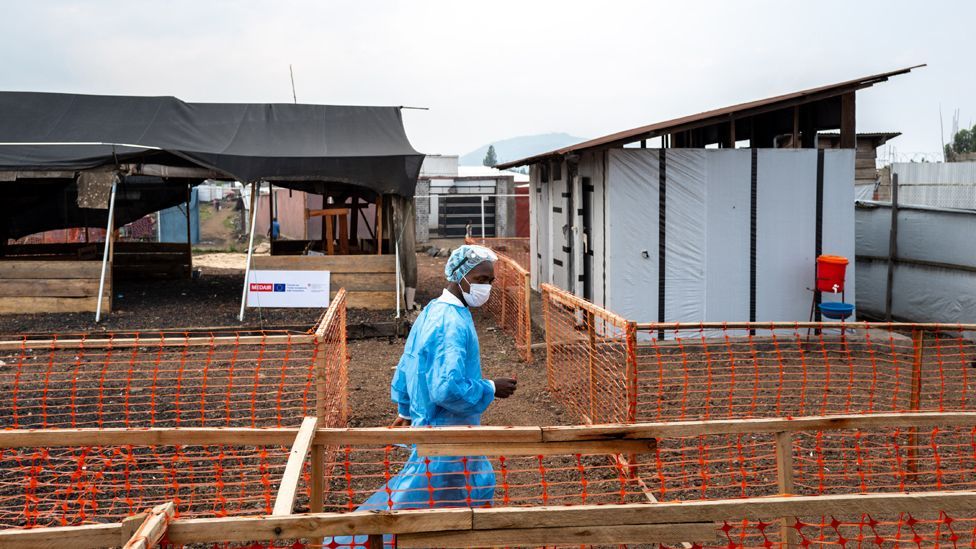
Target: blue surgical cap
[[464, 259]]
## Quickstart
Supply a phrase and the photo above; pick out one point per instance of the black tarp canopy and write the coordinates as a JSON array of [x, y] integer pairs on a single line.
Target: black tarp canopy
[[316, 148]]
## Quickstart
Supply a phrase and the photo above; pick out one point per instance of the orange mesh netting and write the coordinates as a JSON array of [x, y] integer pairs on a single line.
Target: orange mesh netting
[[516, 248], [509, 305], [608, 369], [161, 379]]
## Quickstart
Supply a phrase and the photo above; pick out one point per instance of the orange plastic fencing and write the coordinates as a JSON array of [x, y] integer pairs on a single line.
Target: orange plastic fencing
[[510, 303], [516, 248], [168, 379], [609, 369]]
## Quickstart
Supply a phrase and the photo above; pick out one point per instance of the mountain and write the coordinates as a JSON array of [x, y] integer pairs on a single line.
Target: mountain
[[514, 148]]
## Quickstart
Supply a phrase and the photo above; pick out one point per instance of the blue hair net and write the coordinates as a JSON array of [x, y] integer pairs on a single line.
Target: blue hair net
[[464, 259]]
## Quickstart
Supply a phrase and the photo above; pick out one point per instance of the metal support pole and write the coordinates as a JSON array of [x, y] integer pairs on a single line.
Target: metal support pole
[[255, 187], [108, 238]]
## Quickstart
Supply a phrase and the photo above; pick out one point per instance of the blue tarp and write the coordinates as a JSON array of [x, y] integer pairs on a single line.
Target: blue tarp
[[172, 222]]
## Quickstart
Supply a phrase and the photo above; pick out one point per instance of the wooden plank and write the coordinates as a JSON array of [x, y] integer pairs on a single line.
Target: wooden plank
[[70, 287], [76, 537], [784, 482], [336, 264], [572, 535], [50, 269], [372, 300], [359, 282], [30, 305], [379, 225], [168, 340], [877, 505], [375, 541], [193, 436], [327, 211], [848, 130], [153, 528], [750, 426], [288, 489], [315, 502], [235, 529], [130, 525], [383, 436], [537, 449]]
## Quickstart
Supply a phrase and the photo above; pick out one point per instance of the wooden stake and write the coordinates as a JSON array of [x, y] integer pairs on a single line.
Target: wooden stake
[[153, 528], [379, 225], [288, 489], [527, 288], [784, 481], [591, 332]]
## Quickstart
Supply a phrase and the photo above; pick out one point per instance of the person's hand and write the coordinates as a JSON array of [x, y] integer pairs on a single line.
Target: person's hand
[[505, 386], [401, 422]]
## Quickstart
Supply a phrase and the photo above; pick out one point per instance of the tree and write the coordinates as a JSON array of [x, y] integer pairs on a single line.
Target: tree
[[490, 158], [963, 142]]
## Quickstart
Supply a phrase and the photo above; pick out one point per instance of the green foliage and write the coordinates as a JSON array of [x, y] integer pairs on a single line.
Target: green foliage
[[490, 157], [963, 142]]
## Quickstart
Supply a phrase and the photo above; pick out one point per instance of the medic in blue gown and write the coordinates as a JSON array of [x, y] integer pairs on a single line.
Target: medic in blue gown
[[438, 382]]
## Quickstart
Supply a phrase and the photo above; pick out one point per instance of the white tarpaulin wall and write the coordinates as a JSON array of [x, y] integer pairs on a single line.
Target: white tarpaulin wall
[[935, 277], [708, 231]]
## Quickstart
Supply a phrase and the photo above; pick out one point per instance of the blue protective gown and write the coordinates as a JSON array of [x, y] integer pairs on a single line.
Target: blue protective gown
[[438, 382]]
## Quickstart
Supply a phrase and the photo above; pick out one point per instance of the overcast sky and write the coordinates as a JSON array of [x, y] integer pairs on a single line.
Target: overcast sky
[[490, 70]]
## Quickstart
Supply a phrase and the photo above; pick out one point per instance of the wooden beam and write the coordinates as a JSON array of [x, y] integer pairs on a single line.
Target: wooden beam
[[379, 225], [537, 449], [572, 535], [190, 436], [288, 489], [848, 130], [784, 482], [726, 509], [750, 426], [359, 523], [599, 439], [441, 435], [152, 529], [796, 128], [170, 340], [59, 537]]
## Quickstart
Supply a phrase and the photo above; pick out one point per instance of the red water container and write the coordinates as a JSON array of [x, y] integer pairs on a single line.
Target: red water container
[[830, 271]]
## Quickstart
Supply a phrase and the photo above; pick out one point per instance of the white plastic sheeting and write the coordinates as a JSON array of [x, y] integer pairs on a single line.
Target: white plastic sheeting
[[933, 292], [727, 228], [707, 232], [632, 233], [938, 184]]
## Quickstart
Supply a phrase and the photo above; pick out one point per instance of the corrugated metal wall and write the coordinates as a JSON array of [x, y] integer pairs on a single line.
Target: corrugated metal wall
[[937, 184]]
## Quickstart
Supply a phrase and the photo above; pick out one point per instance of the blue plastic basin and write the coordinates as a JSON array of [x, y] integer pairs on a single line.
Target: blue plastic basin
[[836, 310]]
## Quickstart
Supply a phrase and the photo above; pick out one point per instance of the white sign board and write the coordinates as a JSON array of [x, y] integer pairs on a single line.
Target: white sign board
[[288, 289]]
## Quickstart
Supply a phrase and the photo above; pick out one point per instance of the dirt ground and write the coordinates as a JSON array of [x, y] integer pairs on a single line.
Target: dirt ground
[[372, 362]]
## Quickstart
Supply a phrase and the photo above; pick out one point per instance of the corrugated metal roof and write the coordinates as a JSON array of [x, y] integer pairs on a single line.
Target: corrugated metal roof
[[717, 115]]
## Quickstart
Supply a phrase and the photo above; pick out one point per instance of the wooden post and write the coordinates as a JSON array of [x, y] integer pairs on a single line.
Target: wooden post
[[892, 247], [318, 485], [343, 221], [379, 225], [527, 285], [591, 332], [288, 489], [374, 541], [354, 228], [546, 308], [153, 528], [504, 294], [631, 372], [732, 133], [918, 344], [784, 482], [796, 127], [848, 135], [328, 232]]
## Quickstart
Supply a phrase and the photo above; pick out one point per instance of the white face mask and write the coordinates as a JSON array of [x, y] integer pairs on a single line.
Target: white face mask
[[477, 295]]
